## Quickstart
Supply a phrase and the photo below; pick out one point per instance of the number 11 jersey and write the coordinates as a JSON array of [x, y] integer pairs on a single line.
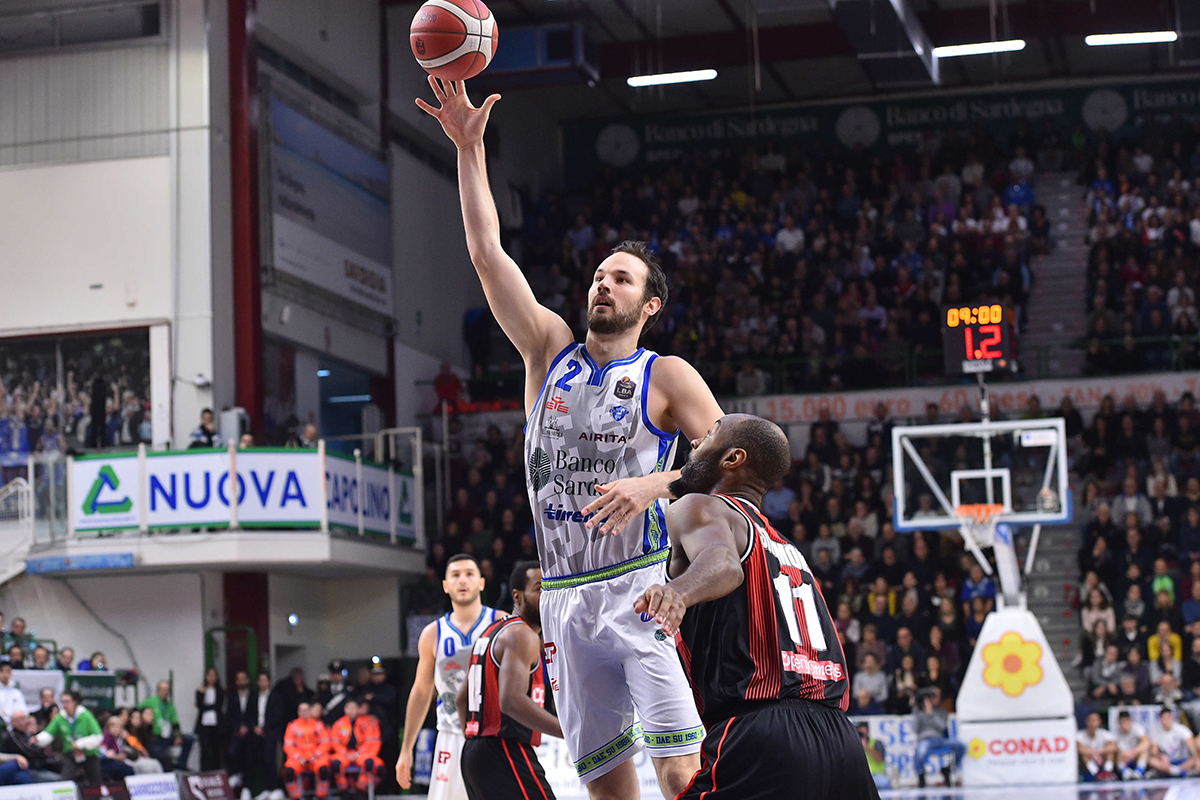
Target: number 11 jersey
[[770, 639]]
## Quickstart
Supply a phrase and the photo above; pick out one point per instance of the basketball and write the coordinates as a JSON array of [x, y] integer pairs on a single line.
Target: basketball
[[453, 40]]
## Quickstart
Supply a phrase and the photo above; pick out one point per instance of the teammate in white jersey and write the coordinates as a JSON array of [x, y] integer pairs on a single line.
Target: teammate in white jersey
[[1133, 747], [1172, 748], [603, 418], [444, 651]]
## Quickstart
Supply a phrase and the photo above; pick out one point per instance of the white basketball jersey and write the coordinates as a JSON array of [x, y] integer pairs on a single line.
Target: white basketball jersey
[[590, 427], [451, 659]]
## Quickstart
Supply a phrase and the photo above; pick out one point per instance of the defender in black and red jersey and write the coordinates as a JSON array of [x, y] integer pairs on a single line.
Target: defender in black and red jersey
[[757, 640], [503, 701]]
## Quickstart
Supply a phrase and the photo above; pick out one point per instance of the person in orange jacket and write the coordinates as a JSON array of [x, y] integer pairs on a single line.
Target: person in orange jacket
[[306, 745], [354, 742]]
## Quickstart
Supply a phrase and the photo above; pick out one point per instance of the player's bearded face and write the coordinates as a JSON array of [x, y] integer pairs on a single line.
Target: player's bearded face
[[613, 319], [699, 475]]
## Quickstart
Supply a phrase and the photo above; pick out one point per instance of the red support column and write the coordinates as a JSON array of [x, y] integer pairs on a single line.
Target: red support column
[[243, 146]]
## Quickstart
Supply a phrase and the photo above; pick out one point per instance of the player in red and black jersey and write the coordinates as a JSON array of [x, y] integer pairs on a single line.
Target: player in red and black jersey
[[503, 701], [757, 640]]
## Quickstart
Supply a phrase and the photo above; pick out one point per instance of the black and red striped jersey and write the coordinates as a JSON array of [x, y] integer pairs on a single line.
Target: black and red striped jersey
[[484, 717], [770, 639]]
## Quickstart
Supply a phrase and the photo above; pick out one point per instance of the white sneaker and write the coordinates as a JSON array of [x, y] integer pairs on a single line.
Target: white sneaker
[[235, 781], [277, 794], [245, 793], [263, 795]]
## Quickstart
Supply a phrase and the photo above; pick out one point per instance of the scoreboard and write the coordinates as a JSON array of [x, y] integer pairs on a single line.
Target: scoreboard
[[977, 339]]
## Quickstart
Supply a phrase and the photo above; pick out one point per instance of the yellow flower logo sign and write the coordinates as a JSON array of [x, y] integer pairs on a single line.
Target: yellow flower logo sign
[[1012, 664], [977, 748]]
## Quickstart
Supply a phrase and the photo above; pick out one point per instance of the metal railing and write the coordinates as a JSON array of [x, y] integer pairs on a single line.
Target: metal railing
[[16, 527]]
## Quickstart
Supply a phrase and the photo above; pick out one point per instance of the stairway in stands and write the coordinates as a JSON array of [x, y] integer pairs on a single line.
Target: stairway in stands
[[1057, 312], [1054, 580]]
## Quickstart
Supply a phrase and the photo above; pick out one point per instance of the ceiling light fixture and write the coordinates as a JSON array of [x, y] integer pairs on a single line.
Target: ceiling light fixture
[[1141, 37], [979, 48], [665, 78]]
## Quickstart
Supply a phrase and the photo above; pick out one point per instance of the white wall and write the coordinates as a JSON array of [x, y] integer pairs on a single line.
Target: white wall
[[93, 104], [435, 281], [337, 39], [161, 617], [104, 224], [338, 618], [411, 400]]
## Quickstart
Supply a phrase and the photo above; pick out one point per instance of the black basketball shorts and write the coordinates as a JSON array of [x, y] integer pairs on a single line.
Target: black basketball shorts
[[503, 769]]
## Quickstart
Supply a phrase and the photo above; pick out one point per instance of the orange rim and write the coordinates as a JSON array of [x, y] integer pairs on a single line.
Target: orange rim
[[980, 513]]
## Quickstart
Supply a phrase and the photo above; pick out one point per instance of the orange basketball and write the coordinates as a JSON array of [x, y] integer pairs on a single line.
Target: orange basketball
[[453, 39]]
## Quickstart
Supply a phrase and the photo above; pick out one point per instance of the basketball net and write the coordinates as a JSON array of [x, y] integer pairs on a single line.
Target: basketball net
[[978, 524]]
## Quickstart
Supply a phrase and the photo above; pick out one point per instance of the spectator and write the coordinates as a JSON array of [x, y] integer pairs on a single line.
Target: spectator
[[244, 753], [306, 438], [166, 729], [66, 659], [1172, 751], [305, 746], [871, 679], [41, 659], [1164, 633], [876, 756], [930, 723], [1098, 608], [210, 720], [205, 434], [16, 740], [123, 749], [1133, 747], [15, 657], [1097, 750], [11, 698], [97, 663], [1167, 692], [355, 743], [864, 705], [47, 709], [78, 734], [1104, 675]]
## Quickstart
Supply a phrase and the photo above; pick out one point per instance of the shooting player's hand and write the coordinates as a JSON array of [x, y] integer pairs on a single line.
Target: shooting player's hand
[[620, 502]]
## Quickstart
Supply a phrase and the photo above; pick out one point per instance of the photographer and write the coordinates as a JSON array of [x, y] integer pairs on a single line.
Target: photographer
[[930, 722], [875, 756]]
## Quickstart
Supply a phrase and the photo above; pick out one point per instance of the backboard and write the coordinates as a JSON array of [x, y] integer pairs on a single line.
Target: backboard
[[1018, 464]]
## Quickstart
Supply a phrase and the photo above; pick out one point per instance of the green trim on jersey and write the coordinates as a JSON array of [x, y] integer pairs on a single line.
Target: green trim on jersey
[[608, 573], [664, 739]]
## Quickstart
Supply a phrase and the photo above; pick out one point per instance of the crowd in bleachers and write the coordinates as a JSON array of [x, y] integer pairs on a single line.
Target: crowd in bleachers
[[268, 737], [53, 392], [1139, 568], [831, 262], [1144, 233]]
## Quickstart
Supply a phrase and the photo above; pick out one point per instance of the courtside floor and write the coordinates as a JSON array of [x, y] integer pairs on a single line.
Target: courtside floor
[[1178, 789]]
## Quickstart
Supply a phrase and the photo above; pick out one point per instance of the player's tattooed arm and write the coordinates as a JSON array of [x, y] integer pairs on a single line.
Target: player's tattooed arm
[[520, 652], [418, 703], [703, 529], [678, 399]]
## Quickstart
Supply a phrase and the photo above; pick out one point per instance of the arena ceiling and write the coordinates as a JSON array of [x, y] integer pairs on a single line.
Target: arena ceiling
[[814, 49]]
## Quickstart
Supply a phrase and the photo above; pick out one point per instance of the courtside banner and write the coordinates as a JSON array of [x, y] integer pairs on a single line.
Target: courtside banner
[[58, 790], [899, 739], [1034, 752], [195, 488], [152, 787], [383, 496], [205, 786]]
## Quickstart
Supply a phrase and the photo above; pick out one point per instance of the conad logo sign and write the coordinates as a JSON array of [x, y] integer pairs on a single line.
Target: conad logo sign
[[1034, 745]]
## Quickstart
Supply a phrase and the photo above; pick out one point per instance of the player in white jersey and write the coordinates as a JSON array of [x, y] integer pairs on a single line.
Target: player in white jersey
[[444, 651], [603, 417], [1172, 749], [1133, 747]]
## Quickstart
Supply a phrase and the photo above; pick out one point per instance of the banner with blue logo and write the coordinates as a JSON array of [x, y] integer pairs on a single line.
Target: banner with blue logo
[[252, 488]]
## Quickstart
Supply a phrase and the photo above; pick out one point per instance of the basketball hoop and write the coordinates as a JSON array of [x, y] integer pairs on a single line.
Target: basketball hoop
[[977, 522]]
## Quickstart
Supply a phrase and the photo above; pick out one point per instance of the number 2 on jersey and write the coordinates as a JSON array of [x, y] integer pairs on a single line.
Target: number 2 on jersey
[[788, 595], [573, 369]]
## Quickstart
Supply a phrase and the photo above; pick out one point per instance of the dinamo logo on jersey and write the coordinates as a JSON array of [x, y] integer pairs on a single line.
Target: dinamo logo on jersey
[[539, 469]]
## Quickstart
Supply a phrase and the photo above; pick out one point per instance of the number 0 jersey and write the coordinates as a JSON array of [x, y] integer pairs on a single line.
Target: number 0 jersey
[[484, 717], [590, 427], [450, 662], [770, 639]]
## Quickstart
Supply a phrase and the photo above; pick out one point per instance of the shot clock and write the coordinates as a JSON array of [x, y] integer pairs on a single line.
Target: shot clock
[[976, 339]]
